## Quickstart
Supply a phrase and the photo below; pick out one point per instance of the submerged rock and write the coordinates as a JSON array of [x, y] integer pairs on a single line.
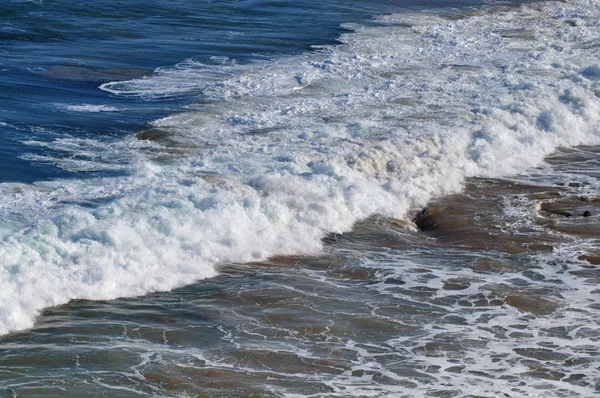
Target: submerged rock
[[531, 304], [470, 221], [592, 259]]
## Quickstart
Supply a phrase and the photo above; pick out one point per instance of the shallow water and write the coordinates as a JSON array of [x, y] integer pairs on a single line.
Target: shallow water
[[493, 296]]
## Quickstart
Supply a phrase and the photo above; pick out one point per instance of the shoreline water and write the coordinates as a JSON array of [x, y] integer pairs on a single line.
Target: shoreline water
[[494, 294]]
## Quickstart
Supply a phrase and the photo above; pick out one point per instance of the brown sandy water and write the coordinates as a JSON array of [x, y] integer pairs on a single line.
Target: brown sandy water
[[491, 292]]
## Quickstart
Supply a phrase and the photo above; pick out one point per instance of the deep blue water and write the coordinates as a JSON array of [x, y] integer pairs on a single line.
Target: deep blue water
[[56, 53]]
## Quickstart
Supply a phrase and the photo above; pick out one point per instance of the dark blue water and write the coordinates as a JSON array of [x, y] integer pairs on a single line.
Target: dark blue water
[[55, 54]]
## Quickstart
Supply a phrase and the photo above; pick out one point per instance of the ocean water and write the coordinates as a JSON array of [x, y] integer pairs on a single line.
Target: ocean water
[[266, 199]]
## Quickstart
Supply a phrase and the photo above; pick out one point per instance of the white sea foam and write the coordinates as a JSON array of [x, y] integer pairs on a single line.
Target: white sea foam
[[291, 149], [188, 76], [91, 108], [85, 154], [489, 349]]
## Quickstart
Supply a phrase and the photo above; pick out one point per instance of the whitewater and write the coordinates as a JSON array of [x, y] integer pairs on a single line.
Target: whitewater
[[276, 154]]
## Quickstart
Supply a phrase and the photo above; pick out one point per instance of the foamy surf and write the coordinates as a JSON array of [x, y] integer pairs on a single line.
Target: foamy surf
[[289, 150], [91, 108]]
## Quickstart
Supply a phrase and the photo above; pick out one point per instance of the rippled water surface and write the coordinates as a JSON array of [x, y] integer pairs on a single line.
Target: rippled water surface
[[267, 199]]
